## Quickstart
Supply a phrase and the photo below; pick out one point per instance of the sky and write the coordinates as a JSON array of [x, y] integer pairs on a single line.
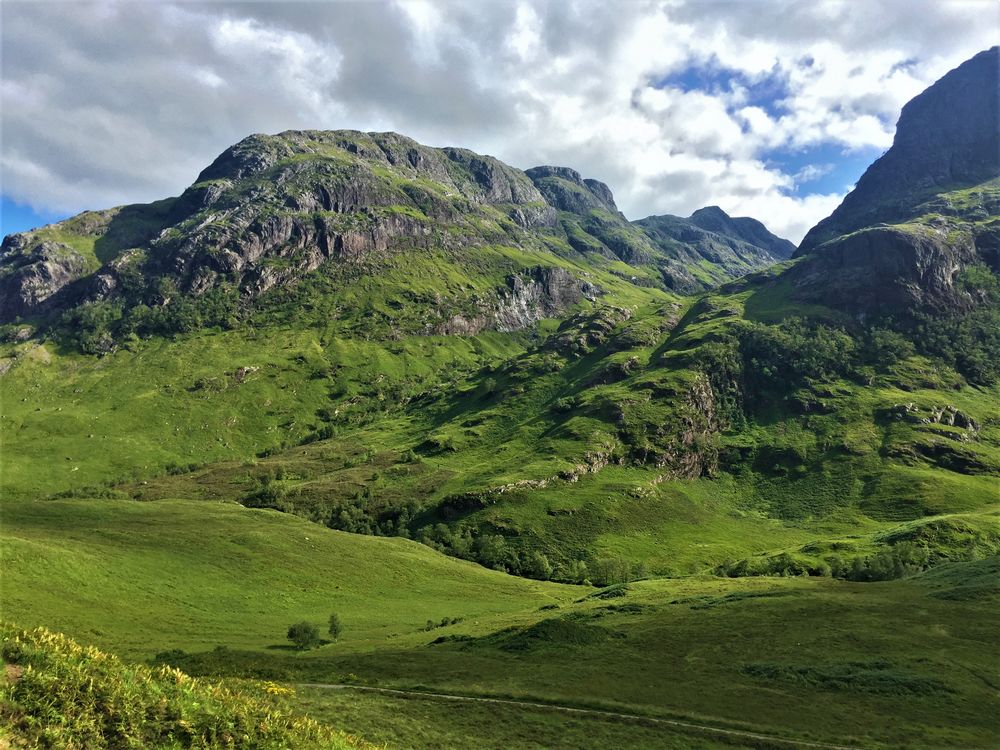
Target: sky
[[768, 109]]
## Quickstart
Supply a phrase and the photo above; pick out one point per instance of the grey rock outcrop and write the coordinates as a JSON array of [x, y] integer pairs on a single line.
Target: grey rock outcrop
[[33, 273], [886, 269], [528, 297], [539, 293]]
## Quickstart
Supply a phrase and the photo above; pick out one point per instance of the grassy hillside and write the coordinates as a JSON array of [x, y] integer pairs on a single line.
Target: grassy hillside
[[669, 436], [346, 345], [73, 421], [675, 437], [802, 657], [193, 576]]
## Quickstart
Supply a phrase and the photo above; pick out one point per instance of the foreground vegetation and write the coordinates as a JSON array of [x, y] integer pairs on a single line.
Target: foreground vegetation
[[58, 694]]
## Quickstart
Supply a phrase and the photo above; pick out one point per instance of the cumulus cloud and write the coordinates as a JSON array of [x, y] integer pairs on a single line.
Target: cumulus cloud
[[110, 103]]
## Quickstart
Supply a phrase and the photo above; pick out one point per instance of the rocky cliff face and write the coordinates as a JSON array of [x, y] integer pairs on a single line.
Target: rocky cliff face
[[890, 270], [939, 189], [540, 293], [273, 208], [528, 297], [948, 137], [34, 272]]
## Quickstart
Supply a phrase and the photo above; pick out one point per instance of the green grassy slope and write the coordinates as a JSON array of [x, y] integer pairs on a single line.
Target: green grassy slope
[[622, 433], [677, 437], [352, 343], [143, 577], [799, 657], [72, 421]]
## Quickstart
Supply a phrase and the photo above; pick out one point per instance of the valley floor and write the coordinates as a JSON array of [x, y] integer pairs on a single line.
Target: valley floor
[[212, 587]]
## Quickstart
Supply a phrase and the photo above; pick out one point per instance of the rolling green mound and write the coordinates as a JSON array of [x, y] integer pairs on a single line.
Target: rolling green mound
[[185, 575]]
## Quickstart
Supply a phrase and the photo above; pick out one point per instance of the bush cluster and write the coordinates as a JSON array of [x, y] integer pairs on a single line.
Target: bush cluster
[[100, 327], [893, 562], [61, 694]]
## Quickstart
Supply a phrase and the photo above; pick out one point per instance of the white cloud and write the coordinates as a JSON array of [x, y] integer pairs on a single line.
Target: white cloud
[[127, 102], [811, 172]]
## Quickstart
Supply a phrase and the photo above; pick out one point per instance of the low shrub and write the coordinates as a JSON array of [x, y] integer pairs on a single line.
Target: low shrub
[[60, 694]]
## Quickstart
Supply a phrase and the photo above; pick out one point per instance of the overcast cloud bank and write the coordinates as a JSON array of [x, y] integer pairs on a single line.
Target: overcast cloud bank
[[675, 105]]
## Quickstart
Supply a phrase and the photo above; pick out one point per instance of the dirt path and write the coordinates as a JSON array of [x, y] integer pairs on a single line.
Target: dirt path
[[586, 712]]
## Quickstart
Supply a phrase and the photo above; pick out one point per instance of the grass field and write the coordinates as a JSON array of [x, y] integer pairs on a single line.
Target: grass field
[[437, 724], [807, 658], [195, 575]]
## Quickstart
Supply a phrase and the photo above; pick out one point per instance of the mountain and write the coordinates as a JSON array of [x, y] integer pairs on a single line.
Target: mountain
[[272, 209], [710, 238], [946, 139], [919, 232], [751, 231]]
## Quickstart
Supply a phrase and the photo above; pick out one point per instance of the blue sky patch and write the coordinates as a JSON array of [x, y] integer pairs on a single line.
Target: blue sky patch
[[825, 168], [765, 92], [17, 217]]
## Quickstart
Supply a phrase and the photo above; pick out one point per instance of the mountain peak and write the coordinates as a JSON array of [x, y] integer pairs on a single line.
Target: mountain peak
[[566, 190], [947, 137], [751, 231], [710, 212]]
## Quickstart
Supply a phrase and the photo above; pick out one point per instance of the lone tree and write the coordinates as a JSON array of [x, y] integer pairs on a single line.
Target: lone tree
[[336, 626], [304, 635]]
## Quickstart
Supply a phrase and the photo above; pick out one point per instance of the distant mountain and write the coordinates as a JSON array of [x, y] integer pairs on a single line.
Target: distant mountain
[[272, 209], [710, 236]]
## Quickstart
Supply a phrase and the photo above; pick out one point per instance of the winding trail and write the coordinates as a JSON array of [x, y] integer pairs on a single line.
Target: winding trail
[[585, 712]]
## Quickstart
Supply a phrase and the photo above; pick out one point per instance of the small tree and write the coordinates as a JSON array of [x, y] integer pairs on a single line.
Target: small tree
[[304, 635], [336, 626], [538, 566]]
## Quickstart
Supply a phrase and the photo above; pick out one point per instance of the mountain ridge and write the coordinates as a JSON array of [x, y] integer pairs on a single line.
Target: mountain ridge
[[271, 209]]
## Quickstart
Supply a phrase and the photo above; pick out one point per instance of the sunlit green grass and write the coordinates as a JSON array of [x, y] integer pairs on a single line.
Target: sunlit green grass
[[138, 578], [800, 657]]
